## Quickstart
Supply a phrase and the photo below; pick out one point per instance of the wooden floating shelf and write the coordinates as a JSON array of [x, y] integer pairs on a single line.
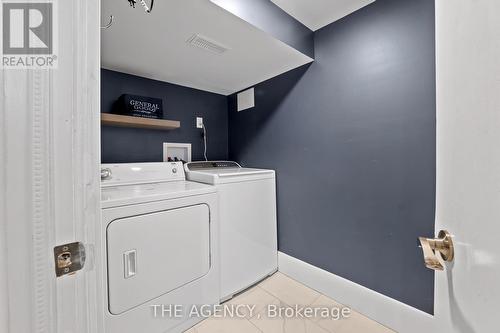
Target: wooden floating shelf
[[110, 119]]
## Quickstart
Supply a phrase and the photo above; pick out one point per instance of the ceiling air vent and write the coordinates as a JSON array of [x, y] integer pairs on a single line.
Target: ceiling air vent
[[206, 44]]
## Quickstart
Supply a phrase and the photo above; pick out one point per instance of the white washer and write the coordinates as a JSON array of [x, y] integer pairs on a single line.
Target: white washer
[[159, 247], [247, 211]]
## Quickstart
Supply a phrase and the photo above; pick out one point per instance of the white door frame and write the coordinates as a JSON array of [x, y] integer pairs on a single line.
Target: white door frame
[[49, 157]]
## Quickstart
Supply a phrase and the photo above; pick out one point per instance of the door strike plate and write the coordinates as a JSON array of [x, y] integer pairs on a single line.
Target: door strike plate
[[69, 258]]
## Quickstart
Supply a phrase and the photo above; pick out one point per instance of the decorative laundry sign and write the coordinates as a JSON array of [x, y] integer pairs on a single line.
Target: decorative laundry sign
[[140, 106]]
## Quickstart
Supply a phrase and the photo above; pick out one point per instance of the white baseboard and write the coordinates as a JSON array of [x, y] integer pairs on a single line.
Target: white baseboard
[[385, 310]]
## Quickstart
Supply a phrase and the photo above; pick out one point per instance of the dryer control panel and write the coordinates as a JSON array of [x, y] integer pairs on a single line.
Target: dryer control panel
[[141, 173]]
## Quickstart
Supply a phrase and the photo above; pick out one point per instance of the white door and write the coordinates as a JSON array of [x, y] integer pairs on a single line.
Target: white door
[[49, 170], [468, 163]]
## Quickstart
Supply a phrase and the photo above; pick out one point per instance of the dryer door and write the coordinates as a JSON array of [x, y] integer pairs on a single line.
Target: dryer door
[[150, 255]]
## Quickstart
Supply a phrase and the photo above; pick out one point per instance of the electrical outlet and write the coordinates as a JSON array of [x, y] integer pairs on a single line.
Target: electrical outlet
[[199, 122]]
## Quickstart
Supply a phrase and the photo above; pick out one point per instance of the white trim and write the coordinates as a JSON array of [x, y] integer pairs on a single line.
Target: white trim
[[41, 206], [4, 286], [385, 310]]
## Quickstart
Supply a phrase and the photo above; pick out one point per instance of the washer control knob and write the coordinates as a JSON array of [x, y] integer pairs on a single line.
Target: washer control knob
[[105, 173], [174, 170]]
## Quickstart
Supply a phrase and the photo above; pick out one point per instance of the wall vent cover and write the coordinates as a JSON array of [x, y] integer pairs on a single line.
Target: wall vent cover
[[207, 44]]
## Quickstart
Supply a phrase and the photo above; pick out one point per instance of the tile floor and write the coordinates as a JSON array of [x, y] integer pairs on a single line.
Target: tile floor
[[280, 291]]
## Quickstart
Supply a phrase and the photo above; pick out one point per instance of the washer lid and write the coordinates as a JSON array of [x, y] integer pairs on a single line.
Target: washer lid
[[235, 172], [122, 195], [219, 172]]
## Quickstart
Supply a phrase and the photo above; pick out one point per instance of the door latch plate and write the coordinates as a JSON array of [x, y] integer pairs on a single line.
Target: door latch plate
[[69, 258]]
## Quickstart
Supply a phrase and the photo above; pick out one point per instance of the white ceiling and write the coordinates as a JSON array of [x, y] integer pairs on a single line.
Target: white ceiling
[[154, 46], [316, 14]]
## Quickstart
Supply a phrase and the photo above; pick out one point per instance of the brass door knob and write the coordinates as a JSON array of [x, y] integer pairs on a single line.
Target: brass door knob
[[435, 248]]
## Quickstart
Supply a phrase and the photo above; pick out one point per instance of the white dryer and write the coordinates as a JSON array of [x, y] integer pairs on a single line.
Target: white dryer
[[159, 248], [247, 216]]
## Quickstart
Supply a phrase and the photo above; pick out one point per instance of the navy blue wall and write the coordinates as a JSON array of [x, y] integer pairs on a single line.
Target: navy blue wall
[[179, 103], [352, 138], [270, 18]]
